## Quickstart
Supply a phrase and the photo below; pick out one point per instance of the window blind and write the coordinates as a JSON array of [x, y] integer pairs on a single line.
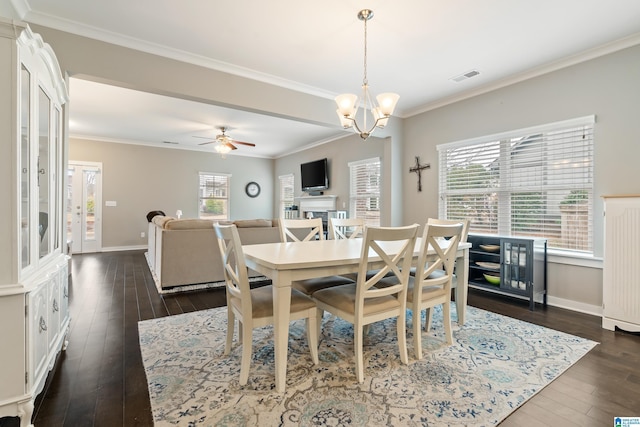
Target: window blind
[[364, 193], [286, 193], [213, 196], [536, 182]]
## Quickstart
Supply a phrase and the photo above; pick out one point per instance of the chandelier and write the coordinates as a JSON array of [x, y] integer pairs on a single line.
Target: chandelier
[[348, 102]]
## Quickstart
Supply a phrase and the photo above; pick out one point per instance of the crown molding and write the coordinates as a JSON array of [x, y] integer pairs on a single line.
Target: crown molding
[[96, 33], [568, 61], [25, 12]]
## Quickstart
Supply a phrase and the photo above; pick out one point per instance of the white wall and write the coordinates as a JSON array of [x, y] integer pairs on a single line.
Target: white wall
[[608, 87], [141, 179], [338, 153], [7, 10]]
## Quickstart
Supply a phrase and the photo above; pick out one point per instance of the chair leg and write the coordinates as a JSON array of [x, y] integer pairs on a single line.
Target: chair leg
[[357, 348], [231, 324], [446, 319], [247, 339], [402, 336], [365, 329], [312, 334], [417, 331], [319, 316], [428, 322]]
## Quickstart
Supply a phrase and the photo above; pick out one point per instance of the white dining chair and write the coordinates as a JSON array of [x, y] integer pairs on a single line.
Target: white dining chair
[[310, 229], [454, 280], [362, 303], [314, 231], [427, 290], [254, 307], [345, 228]]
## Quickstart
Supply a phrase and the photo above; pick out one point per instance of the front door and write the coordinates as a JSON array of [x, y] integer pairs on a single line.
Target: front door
[[84, 213]]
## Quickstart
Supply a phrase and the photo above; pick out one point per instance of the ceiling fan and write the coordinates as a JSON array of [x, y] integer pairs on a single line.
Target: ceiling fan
[[224, 143]]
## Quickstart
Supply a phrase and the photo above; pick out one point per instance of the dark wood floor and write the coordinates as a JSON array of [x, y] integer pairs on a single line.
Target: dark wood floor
[[99, 380]]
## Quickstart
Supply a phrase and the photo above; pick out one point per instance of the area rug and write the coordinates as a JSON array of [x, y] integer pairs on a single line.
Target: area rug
[[495, 364], [260, 280]]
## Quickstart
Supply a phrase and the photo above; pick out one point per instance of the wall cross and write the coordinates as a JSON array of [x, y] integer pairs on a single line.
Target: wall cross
[[418, 168]]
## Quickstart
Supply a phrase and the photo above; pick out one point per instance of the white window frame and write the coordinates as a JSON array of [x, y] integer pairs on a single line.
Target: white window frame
[[224, 195], [286, 190], [547, 171], [365, 187]]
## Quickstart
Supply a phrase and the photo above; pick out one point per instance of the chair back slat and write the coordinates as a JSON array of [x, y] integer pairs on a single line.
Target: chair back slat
[[345, 228], [235, 269], [313, 227], [465, 225], [435, 236], [374, 240]]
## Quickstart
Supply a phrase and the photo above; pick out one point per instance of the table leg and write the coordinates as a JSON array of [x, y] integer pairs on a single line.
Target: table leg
[[281, 309], [462, 288]]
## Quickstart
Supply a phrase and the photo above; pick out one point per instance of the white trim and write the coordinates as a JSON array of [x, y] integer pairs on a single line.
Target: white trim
[[228, 175], [123, 248], [117, 39], [563, 124], [611, 324], [364, 161], [580, 307], [25, 12], [541, 70], [569, 258]]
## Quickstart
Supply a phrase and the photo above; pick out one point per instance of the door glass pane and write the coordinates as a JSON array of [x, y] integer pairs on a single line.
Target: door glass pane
[[25, 182], [43, 172], [90, 196], [70, 172]]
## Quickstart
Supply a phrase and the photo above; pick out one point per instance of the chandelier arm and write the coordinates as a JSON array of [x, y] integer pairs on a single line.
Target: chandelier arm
[[365, 135]]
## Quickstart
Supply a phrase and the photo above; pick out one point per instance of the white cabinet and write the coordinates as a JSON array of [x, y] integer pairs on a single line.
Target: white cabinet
[[34, 308], [621, 274]]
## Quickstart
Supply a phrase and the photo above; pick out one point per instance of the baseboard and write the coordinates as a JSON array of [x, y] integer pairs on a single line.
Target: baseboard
[[124, 248], [581, 307]]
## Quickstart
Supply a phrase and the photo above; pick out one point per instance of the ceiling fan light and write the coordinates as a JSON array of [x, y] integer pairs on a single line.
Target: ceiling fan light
[[222, 148], [387, 103], [346, 104]]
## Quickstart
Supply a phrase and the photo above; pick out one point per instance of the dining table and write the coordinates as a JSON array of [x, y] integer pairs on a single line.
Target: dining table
[[285, 263]]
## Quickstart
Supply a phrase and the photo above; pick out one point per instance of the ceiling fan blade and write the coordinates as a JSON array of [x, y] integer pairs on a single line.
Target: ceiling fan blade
[[233, 147], [208, 142], [203, 137], [244, 143]]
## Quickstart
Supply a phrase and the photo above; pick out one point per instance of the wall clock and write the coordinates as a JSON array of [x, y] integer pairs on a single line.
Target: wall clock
[[252, 189]]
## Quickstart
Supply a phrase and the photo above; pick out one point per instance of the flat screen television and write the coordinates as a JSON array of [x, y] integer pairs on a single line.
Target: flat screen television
[[314, 176]]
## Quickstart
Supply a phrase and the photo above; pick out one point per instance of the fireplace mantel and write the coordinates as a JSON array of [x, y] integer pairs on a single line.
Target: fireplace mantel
[[317, 203]]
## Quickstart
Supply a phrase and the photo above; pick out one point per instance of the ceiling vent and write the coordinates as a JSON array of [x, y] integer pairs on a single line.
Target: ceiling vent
[[465, 76]]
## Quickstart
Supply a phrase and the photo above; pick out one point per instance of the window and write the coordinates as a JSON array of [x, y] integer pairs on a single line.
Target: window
[[536, 182], [286, 193], [364, 197], [213, 196]]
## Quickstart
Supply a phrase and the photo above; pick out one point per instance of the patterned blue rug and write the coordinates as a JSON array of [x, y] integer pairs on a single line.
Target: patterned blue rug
[[495, 364]]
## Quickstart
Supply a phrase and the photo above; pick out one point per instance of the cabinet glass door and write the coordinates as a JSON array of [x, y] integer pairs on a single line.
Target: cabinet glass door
[[25, 168], [44, 170], [514, 265], [57, 176]]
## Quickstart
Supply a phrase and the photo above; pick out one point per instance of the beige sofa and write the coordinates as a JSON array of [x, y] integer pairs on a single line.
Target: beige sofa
[[185, 251]]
